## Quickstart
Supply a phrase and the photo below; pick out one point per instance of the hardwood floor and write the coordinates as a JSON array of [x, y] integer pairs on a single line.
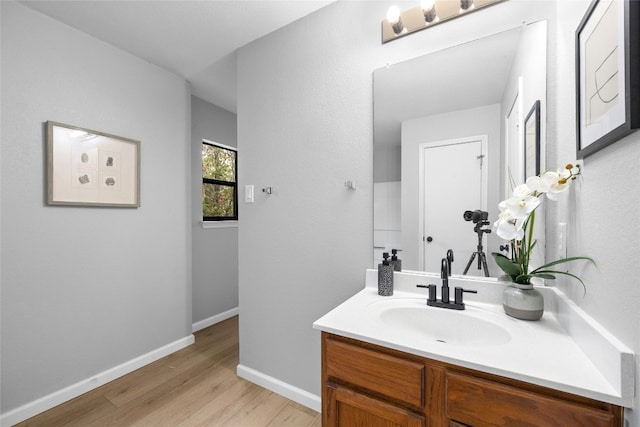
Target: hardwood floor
[[196, 386]]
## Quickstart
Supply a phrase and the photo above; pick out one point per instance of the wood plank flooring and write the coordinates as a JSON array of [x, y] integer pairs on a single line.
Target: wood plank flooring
[[196, 386]]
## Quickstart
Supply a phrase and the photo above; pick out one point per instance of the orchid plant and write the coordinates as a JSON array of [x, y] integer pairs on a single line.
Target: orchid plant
[[517, 219]]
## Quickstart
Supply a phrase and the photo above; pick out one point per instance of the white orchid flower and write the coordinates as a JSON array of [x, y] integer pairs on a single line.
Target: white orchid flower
[[551, 183], [516, 220], [522, 190], [538, 185], [521, 207], [508, 227]]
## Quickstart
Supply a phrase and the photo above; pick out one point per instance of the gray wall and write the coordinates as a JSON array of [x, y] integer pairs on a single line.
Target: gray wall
[[87, 289], [317, 108], [303, 130], [215, 250]]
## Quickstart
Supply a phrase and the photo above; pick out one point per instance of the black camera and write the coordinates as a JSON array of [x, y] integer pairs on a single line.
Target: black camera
[[475, 216]]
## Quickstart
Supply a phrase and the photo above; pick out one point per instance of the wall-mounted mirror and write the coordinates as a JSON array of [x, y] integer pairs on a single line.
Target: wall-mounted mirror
[[449, 139]]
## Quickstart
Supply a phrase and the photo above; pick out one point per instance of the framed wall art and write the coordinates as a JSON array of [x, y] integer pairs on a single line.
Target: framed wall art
[[532, 141], [607, 74], [90, 168]]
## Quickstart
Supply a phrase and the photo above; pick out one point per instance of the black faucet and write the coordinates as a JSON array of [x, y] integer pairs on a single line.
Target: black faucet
[[444, 275], [449, 259], [445, 302]]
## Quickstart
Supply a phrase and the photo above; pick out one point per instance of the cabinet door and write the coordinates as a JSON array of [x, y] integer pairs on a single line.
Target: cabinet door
[[347, 408]]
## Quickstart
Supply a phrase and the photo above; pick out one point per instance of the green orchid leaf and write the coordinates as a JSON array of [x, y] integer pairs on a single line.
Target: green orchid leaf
[[564, 260], [523, 279], [584, 287], [498, 254], [508, 266], [543, 275]]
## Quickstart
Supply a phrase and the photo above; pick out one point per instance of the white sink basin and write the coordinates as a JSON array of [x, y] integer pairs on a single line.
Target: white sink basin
[[471, 327]]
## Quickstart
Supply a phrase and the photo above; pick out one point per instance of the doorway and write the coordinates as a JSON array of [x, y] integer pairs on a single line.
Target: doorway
[[445, 194]]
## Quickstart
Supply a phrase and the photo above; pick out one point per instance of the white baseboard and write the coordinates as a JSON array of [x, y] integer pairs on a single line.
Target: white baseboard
[[214, 319], [38, 406], [287, 390]]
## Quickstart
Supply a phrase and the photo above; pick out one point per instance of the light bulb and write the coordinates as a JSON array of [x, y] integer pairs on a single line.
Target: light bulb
[[427, 5], [393, 15], [428, 10]]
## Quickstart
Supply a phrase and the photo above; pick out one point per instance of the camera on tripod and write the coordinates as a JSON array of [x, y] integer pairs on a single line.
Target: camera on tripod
[[475, 216], [480, 219]]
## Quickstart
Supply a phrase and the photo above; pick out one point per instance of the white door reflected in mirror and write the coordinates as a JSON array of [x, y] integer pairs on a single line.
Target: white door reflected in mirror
[[441, 180]]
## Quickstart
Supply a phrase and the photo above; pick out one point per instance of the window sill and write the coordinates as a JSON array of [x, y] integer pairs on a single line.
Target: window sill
[[219, 224]]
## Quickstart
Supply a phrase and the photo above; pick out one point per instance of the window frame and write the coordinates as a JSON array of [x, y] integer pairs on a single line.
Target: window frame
[[234, 185]]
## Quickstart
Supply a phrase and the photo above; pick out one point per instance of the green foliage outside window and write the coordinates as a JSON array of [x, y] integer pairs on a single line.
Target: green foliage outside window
[[219, 195], [218, 163]]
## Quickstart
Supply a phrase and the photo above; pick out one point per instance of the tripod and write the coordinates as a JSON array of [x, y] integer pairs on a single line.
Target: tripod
[[482, 258]]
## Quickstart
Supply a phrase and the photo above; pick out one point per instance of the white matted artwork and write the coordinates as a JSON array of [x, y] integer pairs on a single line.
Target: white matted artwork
[[607, 67], [90, 168]]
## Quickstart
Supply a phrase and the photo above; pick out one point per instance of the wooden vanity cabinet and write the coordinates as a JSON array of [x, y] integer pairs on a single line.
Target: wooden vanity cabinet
[[369, 385]]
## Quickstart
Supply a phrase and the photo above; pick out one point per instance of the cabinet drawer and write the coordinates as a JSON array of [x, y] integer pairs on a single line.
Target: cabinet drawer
[[481, 403], [392, 377]]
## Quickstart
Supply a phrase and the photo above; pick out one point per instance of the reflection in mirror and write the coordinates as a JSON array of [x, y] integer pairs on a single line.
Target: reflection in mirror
[[532, 141], [449, 138]]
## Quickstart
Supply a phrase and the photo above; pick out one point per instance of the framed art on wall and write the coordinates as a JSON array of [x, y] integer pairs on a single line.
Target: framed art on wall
[[607, 79], [90, 168], [532, 141]]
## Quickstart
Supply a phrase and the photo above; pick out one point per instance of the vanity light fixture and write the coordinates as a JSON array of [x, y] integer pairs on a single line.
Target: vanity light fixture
[[427, 14]]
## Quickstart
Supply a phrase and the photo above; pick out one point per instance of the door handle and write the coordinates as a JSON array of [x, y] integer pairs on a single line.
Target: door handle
[[429, 239]]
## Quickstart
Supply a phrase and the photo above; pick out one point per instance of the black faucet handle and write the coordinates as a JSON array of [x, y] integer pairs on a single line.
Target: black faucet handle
[[432, 292], [458, 294]]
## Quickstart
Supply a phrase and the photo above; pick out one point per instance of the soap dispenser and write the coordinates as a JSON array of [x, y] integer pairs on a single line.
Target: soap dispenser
[[385, 277], [395, 261]]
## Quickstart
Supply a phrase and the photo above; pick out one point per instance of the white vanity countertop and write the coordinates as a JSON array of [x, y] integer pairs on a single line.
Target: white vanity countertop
[[558, 351]]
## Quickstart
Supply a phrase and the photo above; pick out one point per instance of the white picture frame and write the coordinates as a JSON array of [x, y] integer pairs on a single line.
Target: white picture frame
[[90, 168]]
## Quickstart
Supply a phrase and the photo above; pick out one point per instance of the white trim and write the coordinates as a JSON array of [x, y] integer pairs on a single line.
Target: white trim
[[289, 391], [517, 106], [217, 144], [214, 319], [219, 224], [42, 404]]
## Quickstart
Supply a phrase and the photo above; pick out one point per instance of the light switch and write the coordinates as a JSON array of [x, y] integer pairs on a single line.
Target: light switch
[[248, 193]]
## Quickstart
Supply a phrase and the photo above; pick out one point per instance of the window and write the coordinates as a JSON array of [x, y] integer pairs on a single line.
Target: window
[[219, 182]]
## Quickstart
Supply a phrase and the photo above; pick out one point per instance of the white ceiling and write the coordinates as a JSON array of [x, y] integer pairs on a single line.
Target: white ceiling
[[194, 39]]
